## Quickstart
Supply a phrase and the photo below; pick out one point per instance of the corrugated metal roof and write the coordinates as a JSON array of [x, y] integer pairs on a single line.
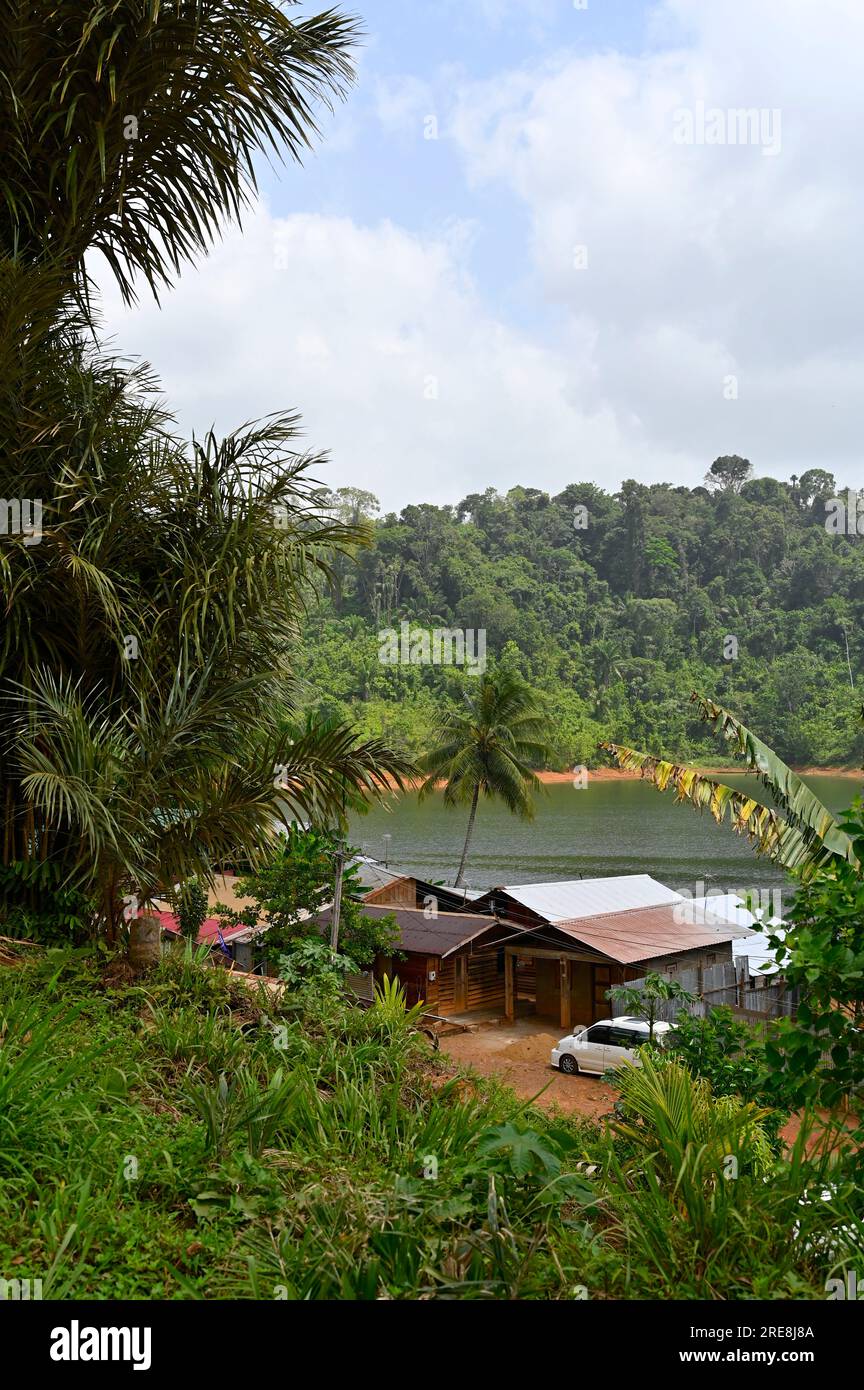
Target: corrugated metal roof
[[208, 932], [588, 897], [642, 934], [433, 936], [371, 874]]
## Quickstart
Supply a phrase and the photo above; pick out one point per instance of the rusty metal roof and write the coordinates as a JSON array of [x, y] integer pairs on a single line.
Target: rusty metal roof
[[432, 936], [642, 934]]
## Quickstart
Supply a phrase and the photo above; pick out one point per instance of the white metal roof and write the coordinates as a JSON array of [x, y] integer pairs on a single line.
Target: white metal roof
[[759, 954], [588, 897], [718, 910]]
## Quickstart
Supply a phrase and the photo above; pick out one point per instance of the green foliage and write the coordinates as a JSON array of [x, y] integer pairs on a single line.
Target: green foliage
[[310, 964], [238, 1146], [488, 747], [191, 908], [37, 903], [819, 1057], [722, 1049], [525, 1150], [146, 673], [602, 621], [728, 1054], [676, 1118], [132, 127], [644, 1001], [729, 473], [389, 1004], [295, 884]]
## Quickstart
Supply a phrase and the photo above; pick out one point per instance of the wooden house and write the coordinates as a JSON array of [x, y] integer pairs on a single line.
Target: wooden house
[[573, 965], [439, 958], [552, 950]]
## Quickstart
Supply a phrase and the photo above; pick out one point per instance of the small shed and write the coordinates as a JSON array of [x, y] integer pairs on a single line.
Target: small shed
[[439, 958]]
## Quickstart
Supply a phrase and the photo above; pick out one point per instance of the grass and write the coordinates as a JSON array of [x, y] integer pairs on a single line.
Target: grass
[[181, 1137]]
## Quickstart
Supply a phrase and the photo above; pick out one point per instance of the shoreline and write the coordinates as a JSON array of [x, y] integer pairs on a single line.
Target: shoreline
[[621, 774]]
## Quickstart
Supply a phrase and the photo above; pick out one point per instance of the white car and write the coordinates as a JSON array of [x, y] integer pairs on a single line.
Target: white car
[[609, 1043]]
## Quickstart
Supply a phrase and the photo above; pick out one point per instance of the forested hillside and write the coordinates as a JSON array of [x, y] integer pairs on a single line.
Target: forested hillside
[[617, 606]]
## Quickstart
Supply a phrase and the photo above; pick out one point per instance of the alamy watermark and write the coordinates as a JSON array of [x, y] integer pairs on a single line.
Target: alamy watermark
[[714, 125], [839, 1290], [21, 516], [710, 906], [20, 1290], [437, 646], [77, 1343], [844, 516]]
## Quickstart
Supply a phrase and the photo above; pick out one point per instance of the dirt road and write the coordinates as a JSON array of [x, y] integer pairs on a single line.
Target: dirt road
[[520, 1059]]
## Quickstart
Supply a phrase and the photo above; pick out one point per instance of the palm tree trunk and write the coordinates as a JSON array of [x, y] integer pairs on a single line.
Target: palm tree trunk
[[468, 834]]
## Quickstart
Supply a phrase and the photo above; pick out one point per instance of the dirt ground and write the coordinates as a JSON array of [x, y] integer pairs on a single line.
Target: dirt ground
[[518, 1055]]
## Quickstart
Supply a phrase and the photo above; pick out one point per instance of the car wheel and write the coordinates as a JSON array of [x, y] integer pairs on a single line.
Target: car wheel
[[569, 1065]]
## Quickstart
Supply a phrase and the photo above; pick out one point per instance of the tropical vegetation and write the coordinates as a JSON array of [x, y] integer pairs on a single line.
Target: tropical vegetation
[[616, 605], [488, 746], [182, 1136], [817, 1058], [147, 680]]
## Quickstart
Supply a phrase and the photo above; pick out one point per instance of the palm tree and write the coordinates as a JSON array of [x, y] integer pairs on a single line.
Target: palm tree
[[489, 746], [131, 127], [146, 692], [801, 835]]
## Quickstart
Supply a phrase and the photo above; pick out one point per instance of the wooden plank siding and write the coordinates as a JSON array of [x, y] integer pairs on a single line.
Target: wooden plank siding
[[465, 980], [402, 893], [485, 981]]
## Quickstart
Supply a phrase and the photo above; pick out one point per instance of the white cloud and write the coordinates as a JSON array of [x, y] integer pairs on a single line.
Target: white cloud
[[359, 331], [703, 260]]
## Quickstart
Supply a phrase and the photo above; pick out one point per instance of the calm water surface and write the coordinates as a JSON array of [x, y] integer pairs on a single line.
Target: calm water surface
[[607, 828]]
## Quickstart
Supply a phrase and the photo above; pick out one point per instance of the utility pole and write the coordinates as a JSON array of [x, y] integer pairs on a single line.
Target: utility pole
[[337, 901]]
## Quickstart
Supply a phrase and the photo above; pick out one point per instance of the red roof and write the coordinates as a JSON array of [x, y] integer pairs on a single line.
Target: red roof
[[209, 928]]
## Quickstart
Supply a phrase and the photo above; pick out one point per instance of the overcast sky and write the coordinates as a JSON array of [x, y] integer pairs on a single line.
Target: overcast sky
[[579, 278]]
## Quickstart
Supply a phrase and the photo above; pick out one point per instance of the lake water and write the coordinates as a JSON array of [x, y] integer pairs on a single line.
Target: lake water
[[624, 827]]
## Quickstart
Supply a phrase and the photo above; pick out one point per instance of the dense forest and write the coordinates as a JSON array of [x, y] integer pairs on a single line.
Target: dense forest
[[750, 590]]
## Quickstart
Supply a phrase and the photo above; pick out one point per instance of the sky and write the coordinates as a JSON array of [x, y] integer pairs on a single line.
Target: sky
[[546, 242]]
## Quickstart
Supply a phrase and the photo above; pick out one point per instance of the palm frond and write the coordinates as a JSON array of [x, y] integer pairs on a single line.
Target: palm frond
[[804, 836]]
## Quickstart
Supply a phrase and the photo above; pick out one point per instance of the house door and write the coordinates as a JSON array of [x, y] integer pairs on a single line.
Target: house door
[[603, 1007], [460, 985]]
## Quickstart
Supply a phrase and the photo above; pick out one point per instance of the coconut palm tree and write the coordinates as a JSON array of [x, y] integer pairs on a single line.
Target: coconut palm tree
[[802, 834], [489, 747]]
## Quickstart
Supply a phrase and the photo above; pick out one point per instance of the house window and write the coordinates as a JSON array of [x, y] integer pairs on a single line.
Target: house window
[[499, 960]]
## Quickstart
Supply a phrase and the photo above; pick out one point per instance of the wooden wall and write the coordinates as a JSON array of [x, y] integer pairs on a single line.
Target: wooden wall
[[446, 986], [485, 981], [413, 974], [581, 993], [547, 976], [402, 893]]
